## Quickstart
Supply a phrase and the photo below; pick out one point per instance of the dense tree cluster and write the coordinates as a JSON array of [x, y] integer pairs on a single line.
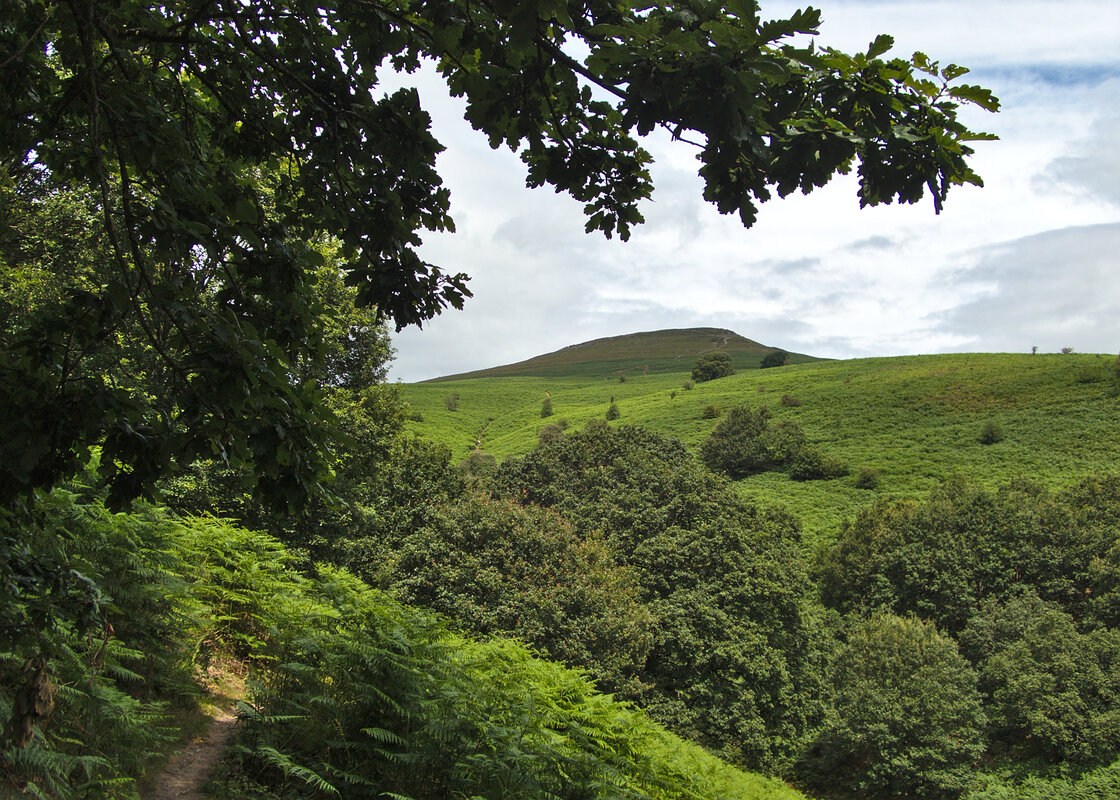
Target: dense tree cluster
[[738, 648]]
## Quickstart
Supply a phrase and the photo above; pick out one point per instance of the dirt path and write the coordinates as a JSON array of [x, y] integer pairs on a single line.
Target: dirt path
[[188, 770]]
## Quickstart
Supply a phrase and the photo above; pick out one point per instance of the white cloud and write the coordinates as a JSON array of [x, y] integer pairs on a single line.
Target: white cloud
[[816, 274], [1054, 289]]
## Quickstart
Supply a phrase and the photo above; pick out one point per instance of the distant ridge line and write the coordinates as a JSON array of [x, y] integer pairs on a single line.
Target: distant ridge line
[[647, 352]]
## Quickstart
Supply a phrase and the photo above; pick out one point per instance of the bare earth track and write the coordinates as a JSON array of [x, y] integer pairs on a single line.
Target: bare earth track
[[189, 769]]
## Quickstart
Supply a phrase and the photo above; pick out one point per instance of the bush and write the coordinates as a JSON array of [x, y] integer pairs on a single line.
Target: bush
[[688, 386], [499, 568], [550, 434], [775, 358], [711, 412], [790, 400], [747, 442], [546, 408], [710, 366], [991, 433], [479, 465], [613, 412], [868, 478], [622, 378], [811, 465], [452, 402], [907, 721]]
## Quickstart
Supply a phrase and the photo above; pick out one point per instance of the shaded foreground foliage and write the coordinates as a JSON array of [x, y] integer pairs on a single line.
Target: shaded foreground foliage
[[351, 692]]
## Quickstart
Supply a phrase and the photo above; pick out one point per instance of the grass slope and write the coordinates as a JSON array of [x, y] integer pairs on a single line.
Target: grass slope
[[917, 419], [649, 352]]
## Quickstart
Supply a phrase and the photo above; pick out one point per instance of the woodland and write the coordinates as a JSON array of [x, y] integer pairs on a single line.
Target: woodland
[[209, 222]]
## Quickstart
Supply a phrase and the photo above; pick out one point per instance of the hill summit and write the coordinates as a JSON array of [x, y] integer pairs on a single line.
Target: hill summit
[[647, 352]]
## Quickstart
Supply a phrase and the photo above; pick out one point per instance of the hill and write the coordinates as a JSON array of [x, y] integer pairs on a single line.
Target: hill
[[915, 419], [645, 353]]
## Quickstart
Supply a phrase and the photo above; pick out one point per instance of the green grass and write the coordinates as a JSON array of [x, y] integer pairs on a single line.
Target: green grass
[[917, 419]]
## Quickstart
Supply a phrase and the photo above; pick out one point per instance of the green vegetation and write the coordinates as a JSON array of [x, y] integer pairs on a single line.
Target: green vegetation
[[775, 358], [346, 684], [746, 442], [208, 211], [916, 419], [710, 366], [737, 646], [869, 749]]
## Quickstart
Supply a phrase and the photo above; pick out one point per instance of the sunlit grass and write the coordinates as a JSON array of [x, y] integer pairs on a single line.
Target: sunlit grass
[[917, 419]]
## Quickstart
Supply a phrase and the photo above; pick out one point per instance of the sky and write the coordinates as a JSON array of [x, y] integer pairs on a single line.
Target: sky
[[1030, 260]]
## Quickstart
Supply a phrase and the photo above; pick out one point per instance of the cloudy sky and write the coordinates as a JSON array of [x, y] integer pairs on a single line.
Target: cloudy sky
[[1032, 259]]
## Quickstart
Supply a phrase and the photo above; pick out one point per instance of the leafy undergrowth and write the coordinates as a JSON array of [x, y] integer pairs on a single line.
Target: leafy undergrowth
[[917, 420], [351, 694]]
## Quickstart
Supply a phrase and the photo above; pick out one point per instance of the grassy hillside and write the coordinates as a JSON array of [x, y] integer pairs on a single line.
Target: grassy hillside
[[649, 352], [916, 419]]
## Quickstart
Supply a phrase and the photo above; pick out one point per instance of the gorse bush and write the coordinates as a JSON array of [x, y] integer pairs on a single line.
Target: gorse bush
[[811, 464], [775, 358], [868, 478]]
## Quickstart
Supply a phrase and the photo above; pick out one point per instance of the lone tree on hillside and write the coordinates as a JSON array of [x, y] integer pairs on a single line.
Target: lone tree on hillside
[[710, 366], [219, 142], [775, 358]]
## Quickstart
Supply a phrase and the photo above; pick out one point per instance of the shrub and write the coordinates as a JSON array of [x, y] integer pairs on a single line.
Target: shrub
[[563, 423], [991, 433], [546, 407], [479, 465], [908, 720], [746, 442], [775, 358], [868, 478], [550, 434], [790, 400], [496, 567], [673, 395], [711, 412], [622, 378], [452, 402], [710, 366], [688, 386], [613, 412], [416, 416], [811, 465]]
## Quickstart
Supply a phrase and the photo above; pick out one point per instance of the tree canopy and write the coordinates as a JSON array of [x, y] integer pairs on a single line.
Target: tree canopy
[[216, 143]]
